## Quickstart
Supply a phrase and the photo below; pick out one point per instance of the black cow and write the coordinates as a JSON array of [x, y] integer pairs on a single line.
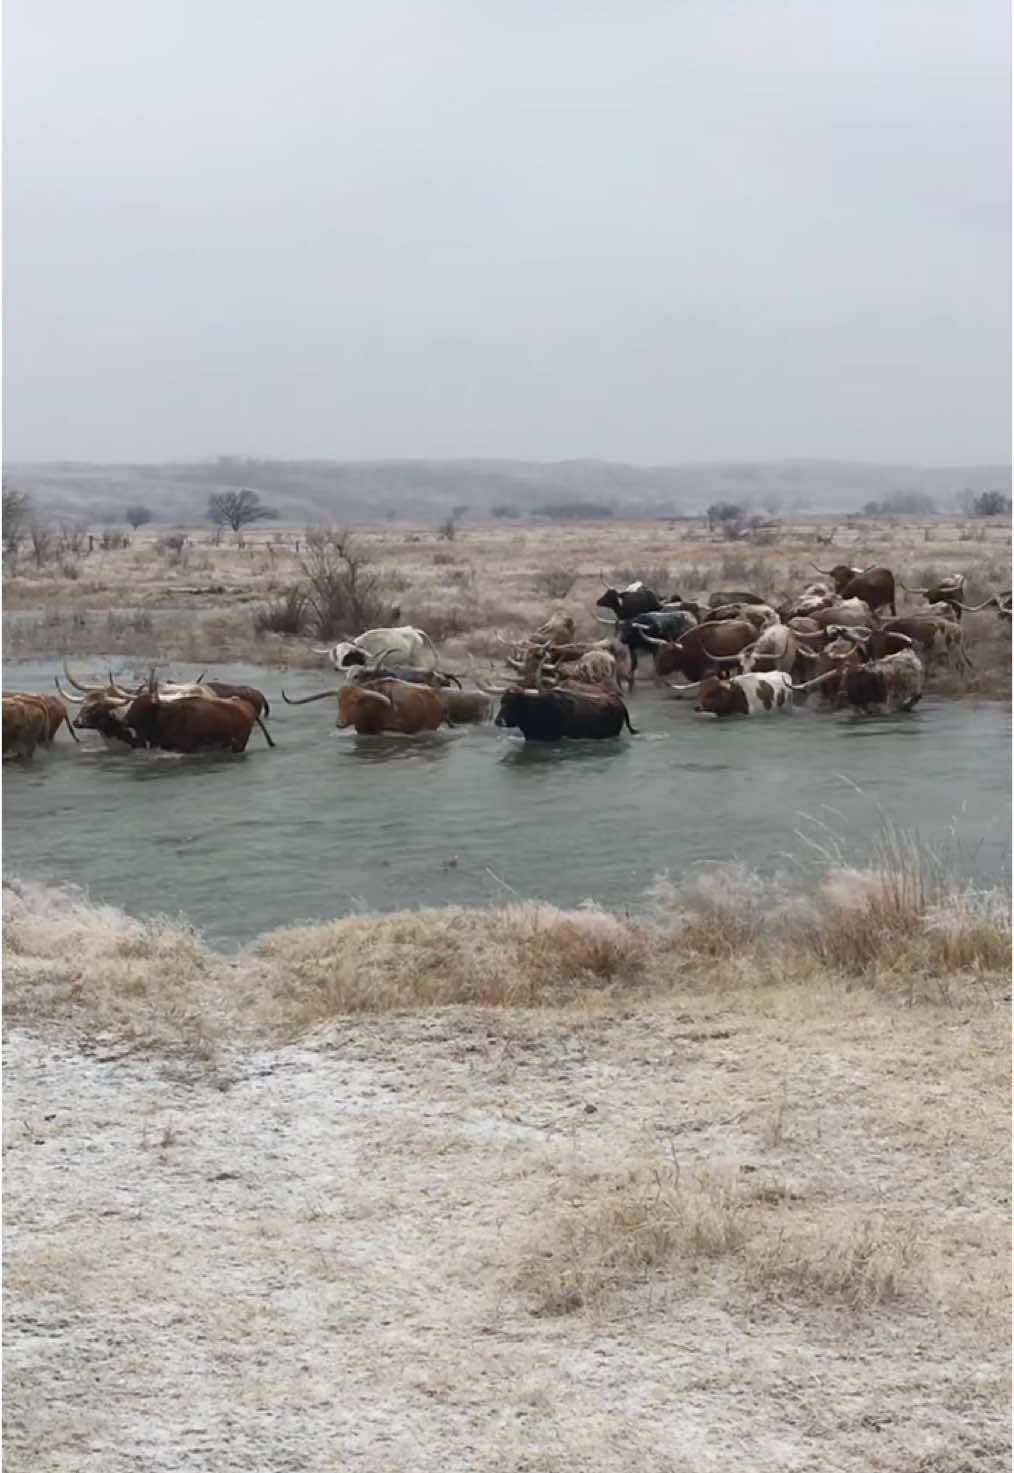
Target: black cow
[[548, 716], [657, 624], [626, 602]]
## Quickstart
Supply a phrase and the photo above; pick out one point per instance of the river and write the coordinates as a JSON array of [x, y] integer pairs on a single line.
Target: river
[[331, 823]]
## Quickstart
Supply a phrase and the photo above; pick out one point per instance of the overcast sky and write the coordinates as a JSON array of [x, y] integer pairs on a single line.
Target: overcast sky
[[645, 230]]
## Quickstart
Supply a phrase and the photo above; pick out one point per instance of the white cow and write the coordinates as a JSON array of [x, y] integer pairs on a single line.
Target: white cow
[[403, 645]]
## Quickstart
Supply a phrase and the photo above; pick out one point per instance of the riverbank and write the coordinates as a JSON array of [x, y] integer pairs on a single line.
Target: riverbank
[[181, 596], [437, 1189]]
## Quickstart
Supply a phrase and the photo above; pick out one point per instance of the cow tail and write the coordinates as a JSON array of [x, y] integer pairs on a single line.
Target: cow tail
[[267, 734], [626, 716], [267, 707]]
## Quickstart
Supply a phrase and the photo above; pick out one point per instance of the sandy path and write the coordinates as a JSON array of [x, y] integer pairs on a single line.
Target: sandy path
[[308, 1257]]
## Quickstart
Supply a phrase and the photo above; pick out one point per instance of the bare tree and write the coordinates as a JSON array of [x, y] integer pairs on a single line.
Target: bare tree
[[343, 596], [43, 540], [236, 509], [17, 509], [138, 514]]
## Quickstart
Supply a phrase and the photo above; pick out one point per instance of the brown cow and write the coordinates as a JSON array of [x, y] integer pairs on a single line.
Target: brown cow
[[25, 725], [385, 705], [192, 723], [875, 586], [55, 711], [595, 667], [697, 652], [466, 707], [882, 687], [938, 639]]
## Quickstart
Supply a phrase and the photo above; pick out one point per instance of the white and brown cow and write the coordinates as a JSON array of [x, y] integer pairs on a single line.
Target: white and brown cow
[[746, 695]]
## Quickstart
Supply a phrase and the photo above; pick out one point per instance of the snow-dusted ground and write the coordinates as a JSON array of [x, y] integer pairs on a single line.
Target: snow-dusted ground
[[329, 1256]]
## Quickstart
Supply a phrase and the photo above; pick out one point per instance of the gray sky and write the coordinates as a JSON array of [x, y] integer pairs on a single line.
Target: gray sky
[[649, 230]]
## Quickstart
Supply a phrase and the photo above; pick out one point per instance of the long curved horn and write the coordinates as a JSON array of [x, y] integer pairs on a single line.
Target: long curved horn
[[382, 657], [693, 685], [75, 683], [448, 675], [652, 639], [807, 654], [911, 590], [824, 572], [601, 619], [731, 659], [74, 700], [304, 699], [318, 649], [493, 690], [977, 608], [818, 680]]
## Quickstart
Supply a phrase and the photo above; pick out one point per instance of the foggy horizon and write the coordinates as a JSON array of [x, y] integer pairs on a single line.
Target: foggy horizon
[[648, 234]]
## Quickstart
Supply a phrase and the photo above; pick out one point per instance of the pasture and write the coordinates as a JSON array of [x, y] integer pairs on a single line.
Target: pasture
[[421, 1170], [187, 595]]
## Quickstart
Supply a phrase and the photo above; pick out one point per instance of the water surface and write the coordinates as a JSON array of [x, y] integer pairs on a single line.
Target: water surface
[[331, 823]]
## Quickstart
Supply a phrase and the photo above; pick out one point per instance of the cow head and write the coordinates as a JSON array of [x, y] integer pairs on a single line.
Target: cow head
[[343, 655], [717, 696]]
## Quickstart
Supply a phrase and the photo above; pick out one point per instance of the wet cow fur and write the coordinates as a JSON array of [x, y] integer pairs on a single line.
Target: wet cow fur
[[746, 695]]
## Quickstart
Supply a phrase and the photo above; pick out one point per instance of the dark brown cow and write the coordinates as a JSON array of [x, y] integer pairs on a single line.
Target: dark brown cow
[[466, 707], [875, 586], [384, 705], [249, 693], [696, 653], [192, 723]]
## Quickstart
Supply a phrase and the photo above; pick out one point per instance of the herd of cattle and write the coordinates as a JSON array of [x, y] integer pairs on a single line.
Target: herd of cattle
[[838, 643]]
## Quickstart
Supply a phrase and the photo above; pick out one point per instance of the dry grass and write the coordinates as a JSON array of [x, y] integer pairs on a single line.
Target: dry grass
[[634, 1199], [603, 1240], [901, 926], [495, 577]]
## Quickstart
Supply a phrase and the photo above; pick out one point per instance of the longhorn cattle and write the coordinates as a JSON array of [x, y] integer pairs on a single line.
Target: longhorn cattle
[[192, 723], [640, 635], [882, 687], [550, 716], [626, 602], [776, 649], [716, 600], [938, 639], [383, 705], [700, 650], [557, 629], [595, 667], [746, 695], [761, 616], [846, 611], [875, 586], [102, 709], [404, 644], [24, 726], [53, 708], [411, 674], [466, 707]]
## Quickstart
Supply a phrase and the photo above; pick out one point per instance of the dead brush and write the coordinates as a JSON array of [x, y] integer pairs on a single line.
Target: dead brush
[[616, 1234], [92, 968], [524, 955], [861, 1262]]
